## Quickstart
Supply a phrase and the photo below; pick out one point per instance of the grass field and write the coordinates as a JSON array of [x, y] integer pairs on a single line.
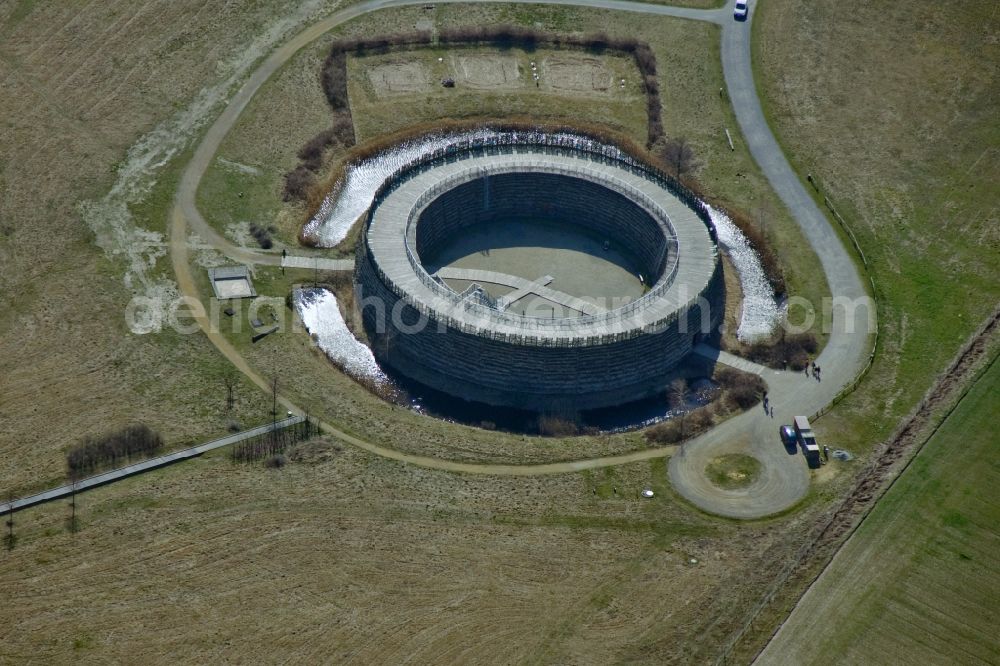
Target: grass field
[[902, 135], [920, 580], [690, 78], [80, 231], [339, 553], [733, 471], [342, 555], [891, 109]]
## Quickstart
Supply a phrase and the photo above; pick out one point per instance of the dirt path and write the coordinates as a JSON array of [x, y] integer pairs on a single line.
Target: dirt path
[[784, 480]]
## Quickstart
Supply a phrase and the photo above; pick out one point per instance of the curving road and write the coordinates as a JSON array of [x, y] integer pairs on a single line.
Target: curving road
[[784, 480]]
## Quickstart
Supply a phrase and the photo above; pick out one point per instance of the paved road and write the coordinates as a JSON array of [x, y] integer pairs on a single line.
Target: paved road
[[136, 468], [784, 479]]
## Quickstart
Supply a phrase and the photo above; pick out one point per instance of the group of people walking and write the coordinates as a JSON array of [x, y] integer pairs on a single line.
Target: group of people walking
[[769, 408]]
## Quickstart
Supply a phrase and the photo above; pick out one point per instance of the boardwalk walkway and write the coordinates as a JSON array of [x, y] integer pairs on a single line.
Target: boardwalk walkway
[[317, 263], [136, 468], [731, 360]]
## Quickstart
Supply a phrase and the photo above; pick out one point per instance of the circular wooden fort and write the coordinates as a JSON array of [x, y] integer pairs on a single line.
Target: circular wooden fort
[[469, 345]]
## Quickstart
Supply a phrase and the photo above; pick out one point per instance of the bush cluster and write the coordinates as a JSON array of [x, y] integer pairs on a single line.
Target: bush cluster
[[682, 427], [298, 181], [739, 391], [96, 452], [312, 152], [556, 426], [788, 351], [262, 235]]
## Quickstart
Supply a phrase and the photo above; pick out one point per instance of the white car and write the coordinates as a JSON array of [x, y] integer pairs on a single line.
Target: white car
[[740, 11]]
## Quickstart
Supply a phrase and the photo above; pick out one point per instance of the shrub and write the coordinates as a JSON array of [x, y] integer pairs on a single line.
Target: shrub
[[729, 378], [740, 389], [668, 432], [743, 397], [95, 452], [804, 341], [334, 80], [262, 235], [598, 42], [792, 351], [654, 131], [554, 426], [311, 153], [797, 360], [276, 461], [297, 183], [699, 420], [645, 60]]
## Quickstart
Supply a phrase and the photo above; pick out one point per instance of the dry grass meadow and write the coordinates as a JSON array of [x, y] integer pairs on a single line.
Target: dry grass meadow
[[919, 582], [348, 558], [339, 555], [902, 136], [342, 556], [499, 81], [81, 231]]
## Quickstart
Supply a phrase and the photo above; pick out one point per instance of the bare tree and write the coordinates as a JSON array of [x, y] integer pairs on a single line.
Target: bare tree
[[763, 213], [274, 408], [677, 395], [10, 540], [73, 522], [679, 156], [229, 380]]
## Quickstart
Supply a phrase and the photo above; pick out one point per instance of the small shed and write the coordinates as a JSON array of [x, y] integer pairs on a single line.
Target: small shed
[[231, 282]]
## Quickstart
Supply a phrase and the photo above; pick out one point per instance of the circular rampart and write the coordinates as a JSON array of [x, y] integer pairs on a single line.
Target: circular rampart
[[467, 345]]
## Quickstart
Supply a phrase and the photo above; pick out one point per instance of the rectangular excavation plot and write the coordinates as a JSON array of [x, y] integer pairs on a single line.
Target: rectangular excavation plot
[[487, 71], [576, 74], [399, 78]]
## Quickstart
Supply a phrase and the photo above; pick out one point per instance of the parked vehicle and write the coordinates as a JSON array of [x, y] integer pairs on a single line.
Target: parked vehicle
[[807, 441], [787, 434]]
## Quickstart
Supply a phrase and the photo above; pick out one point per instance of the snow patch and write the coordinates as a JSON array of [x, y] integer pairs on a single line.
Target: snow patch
[[321, 316]]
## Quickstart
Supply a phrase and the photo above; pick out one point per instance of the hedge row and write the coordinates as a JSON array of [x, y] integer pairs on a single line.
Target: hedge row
[[96, 452]]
